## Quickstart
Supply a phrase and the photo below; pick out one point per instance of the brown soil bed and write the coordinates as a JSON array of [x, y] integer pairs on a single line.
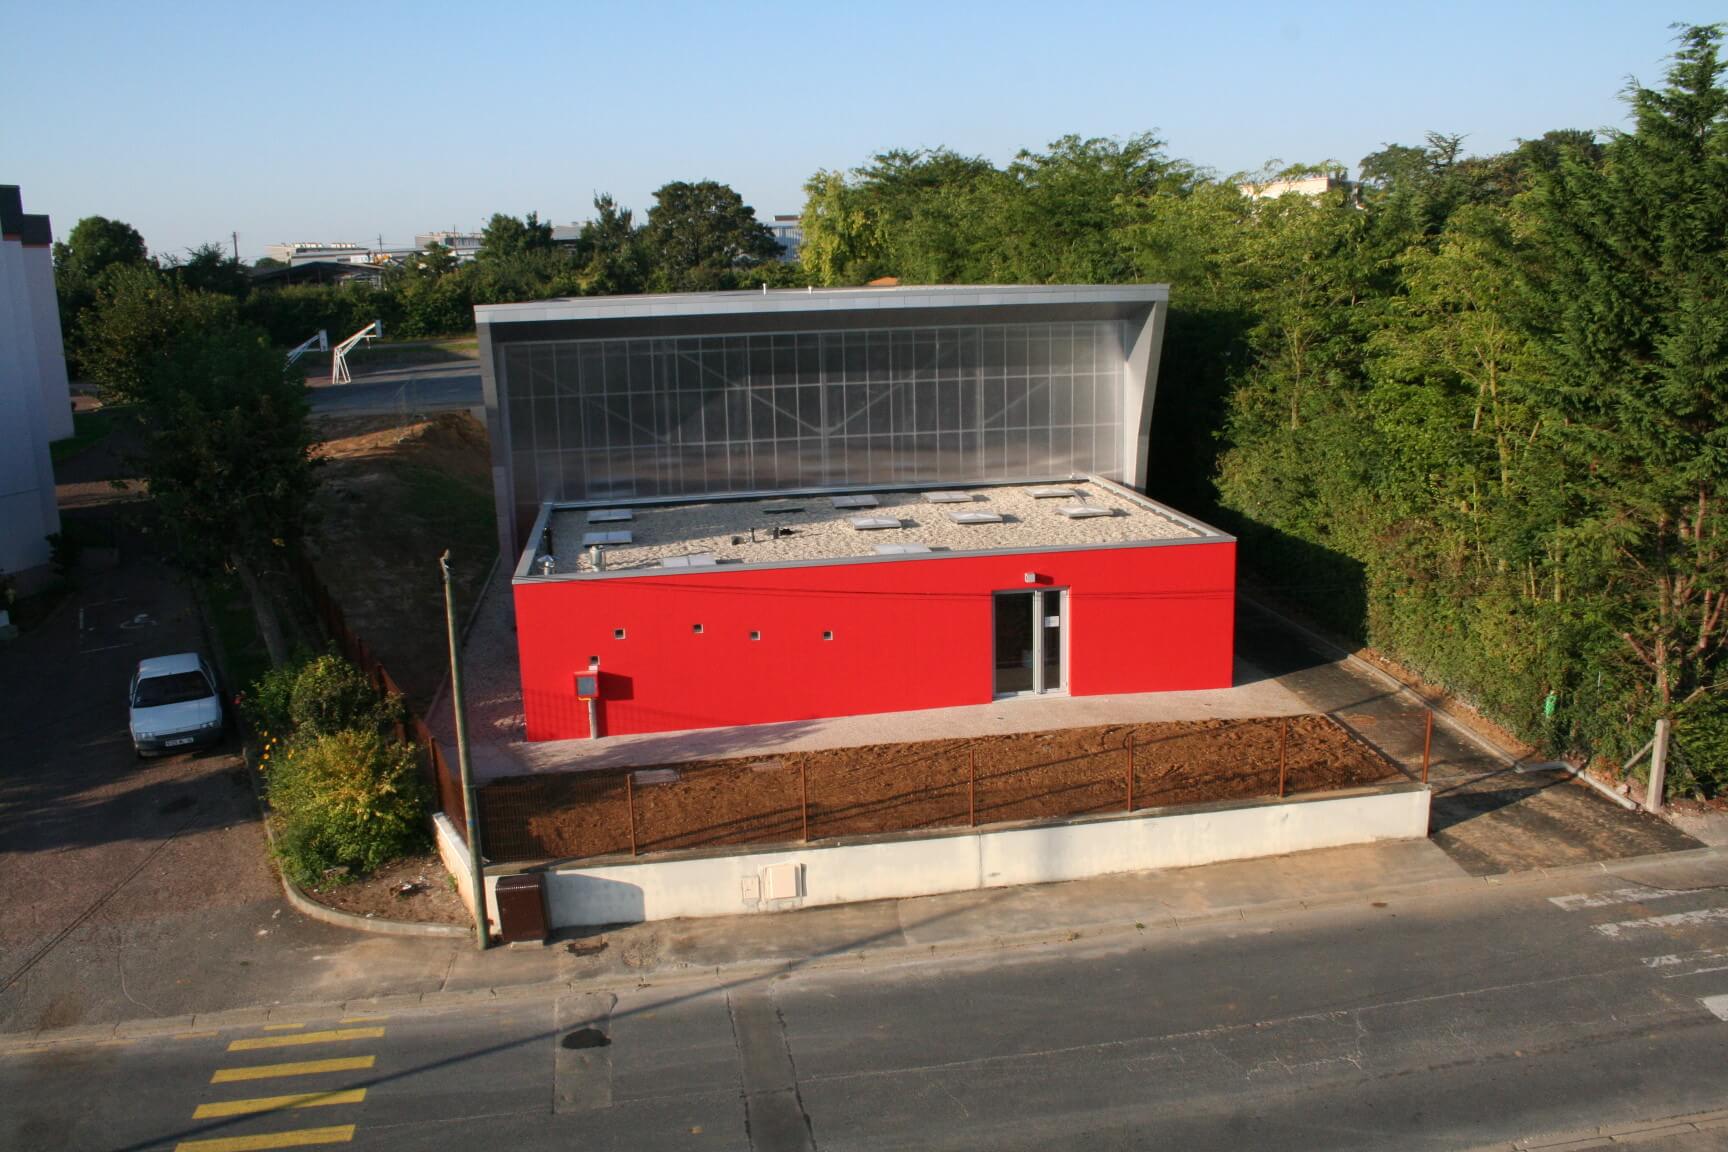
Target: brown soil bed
[[414, 888], [883, 788]]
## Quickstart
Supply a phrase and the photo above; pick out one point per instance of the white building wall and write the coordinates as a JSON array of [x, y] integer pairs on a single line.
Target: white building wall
[[28, 512], [50, 347]]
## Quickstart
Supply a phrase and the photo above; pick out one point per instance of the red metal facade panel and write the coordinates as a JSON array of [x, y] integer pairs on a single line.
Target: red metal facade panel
[[907, 634]]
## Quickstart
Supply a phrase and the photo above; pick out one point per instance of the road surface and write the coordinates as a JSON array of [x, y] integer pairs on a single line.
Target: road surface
[[1469, 1016], [433, 388]]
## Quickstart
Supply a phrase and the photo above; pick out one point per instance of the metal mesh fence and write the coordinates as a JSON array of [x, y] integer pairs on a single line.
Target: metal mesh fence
[[898, 788]]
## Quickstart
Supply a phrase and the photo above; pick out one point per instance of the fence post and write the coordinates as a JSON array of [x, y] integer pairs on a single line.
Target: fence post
[[630, 807], [1658, 767], [1283, 738], [804, 799], [1130, 772], [971, 781], [1427, 741]]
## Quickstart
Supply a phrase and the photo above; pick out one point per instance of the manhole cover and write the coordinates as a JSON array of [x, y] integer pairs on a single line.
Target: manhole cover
[[586, 1038]]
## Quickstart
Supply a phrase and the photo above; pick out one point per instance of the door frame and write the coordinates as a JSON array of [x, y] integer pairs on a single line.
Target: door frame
[[1041, 599]]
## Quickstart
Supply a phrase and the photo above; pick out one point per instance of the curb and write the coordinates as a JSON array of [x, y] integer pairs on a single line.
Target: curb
[[309, 907], [744, 971]]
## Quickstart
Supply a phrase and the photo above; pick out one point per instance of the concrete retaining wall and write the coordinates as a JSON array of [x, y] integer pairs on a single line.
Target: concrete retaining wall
[[453, 850], [772, 881]]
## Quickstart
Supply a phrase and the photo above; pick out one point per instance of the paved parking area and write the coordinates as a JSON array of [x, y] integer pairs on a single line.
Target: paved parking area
[[130, 885]]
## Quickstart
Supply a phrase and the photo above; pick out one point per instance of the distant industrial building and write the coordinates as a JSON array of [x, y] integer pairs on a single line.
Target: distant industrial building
[[463, 245], [35, 400], [319, 252], [1305, 186], [789, 234]]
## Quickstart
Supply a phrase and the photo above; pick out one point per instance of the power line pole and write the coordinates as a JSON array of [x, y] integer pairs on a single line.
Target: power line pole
[[476, 868], [235, 236]]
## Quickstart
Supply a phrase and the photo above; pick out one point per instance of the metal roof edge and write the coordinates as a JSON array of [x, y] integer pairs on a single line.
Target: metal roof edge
[[695, 304]]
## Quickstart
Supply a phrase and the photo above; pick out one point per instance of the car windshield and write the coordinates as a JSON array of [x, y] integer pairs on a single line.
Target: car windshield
[[155, 691]]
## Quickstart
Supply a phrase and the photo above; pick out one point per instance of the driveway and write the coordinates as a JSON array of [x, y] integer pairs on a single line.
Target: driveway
[[129, 884], [1489, 815]]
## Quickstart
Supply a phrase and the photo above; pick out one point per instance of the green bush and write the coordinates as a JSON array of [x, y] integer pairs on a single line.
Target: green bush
[[344, 800], [267, 704], [330, 695]]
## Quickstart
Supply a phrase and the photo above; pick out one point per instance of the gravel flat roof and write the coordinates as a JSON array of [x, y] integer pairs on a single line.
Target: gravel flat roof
[[830, 526]]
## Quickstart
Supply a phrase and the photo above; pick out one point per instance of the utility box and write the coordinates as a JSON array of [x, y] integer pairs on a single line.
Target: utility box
[[522, 908]]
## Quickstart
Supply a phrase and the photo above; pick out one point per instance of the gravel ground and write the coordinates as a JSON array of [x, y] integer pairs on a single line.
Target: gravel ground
[[820, 531]]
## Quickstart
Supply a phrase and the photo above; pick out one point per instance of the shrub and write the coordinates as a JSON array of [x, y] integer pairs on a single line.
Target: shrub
[[267, 705], [330, 695], [345, 799]]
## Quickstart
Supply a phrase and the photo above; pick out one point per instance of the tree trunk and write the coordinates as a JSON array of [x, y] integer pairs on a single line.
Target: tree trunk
[[264, 612]]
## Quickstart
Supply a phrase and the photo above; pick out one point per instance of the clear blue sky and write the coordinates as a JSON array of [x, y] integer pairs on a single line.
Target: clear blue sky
[[344, 121]]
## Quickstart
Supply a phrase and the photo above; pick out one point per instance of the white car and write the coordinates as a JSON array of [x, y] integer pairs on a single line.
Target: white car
[[175, 704]]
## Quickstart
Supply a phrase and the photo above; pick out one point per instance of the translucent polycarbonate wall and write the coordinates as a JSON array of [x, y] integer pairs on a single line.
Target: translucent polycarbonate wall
[[598, 419]]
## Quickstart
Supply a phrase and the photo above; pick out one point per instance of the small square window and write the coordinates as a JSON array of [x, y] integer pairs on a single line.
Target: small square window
[[696, 628], [827, 635], [755, 635], [593, 660], [617, 633]]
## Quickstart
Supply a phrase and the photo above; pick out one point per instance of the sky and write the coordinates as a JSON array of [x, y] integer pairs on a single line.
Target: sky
[[355, 121]]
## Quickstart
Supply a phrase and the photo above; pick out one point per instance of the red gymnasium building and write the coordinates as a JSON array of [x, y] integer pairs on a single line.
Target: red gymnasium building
[[741, 508]]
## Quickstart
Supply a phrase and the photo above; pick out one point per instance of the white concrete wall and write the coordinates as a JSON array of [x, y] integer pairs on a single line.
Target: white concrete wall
[[843, 873], [453, 851]]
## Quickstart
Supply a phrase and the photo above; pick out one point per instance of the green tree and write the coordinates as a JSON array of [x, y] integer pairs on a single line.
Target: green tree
[[137, 317], [611, 251], [227, 456], [1633, 276], [700, 236], [209, 268], [508, 237], [95, 245]]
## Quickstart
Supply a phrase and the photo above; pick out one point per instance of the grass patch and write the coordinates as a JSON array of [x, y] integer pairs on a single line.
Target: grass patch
[[465, 512], [389, 504], [88, 429], [243, 651]]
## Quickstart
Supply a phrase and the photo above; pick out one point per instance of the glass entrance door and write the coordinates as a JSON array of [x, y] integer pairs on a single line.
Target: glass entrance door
[[1029, 651]]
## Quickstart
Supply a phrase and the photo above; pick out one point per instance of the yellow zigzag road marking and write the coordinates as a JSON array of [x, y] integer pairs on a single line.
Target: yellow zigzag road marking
[[277, 1103], [300, 1139], [255, 1042], [282, 1027], [302, 1068]]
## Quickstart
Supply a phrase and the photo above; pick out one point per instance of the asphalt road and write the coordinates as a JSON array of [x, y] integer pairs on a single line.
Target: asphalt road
[[1551, 1005], [433, 388]]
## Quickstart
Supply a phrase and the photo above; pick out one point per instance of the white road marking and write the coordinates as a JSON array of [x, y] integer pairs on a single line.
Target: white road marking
[[1695, 972], [1672, 959], [1718, 1005], [1672, 920], [1619, 896]]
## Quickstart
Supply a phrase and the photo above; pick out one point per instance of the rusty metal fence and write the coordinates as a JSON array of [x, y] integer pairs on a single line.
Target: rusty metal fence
[[440, 775], [884, 789]]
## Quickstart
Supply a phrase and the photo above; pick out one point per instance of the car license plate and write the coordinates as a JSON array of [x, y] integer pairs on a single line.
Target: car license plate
[[177, 741]]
